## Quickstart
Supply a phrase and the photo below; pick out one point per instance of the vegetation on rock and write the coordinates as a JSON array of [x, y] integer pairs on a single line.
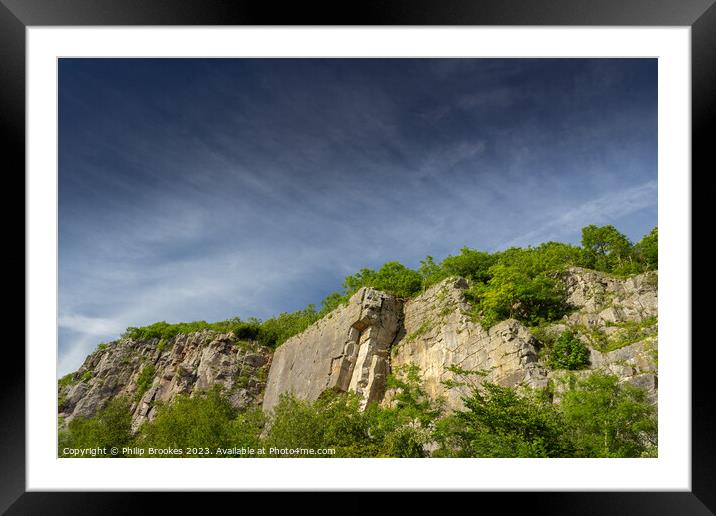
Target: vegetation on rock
[[597, 417], [110, 427], [568, 352], [144, 380], [605, 418]]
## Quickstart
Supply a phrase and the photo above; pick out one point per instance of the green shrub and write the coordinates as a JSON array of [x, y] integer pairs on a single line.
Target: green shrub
[[502, 422], [606, 418], [470, 264], [336, 421], [630, 332], [279, 329], [243, 381], [332, 301], [597, 417], [333, 421], [86, 376], [110, 427], [431, 272], [243, 344], [144, 380], [646, 251], [66, 381], [513, 293], [393, 278], [205, 420], [164, 330], [608, 250], [568, 352]]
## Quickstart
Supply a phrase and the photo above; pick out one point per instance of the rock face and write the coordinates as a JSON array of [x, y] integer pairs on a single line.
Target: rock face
[[151, 371], [346, 350], [440, 334], [357, 345], [617, 319], [602, 300]]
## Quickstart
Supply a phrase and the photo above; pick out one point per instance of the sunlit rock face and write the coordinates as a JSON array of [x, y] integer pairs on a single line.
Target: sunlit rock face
[[439, 334], [346, 350]]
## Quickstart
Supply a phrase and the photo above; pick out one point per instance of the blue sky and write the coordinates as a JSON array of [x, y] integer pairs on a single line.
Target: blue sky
[[210, 188]]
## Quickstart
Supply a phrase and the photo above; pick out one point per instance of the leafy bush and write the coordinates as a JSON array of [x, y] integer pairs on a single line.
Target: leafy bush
[[111, 426], [86, 376], [410, 401], [568, 352], [66, 381], [336, 421], [597, 417], [513, 293], [393, 278], [431, 272], [333, 421], [500, 422], [470, 264], [405, 428], [206, 420], [605, 247], [144, 380], [164, 331], [608, 250], [279, 329], [646, 251], [606, 418]]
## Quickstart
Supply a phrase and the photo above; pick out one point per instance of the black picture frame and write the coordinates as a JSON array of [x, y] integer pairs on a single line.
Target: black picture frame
[[700, 15]]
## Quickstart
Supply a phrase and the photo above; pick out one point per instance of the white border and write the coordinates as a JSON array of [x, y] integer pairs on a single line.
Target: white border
[[670, 471]]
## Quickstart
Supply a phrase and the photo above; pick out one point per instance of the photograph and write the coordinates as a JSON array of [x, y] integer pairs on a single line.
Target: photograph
[[297, 257], [420, 242]]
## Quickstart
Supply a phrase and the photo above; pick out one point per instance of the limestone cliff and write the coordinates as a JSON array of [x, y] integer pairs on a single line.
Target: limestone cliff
[[618, 320], [357, 345], [440, 334], [156, 370], [615, 318], [346, 350]]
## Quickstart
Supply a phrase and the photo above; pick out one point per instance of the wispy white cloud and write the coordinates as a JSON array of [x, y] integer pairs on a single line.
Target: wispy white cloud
[[91, 326], [605, 209]]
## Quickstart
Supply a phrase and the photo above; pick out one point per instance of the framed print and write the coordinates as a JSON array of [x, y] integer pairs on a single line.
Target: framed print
[[422, 242]]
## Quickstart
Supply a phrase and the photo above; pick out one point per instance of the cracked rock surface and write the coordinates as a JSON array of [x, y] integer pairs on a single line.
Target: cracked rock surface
[[184, 364], [440, 334], [346, 350]]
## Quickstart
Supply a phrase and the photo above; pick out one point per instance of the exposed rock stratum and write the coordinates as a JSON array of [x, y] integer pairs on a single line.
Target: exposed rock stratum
[[357, 345]]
